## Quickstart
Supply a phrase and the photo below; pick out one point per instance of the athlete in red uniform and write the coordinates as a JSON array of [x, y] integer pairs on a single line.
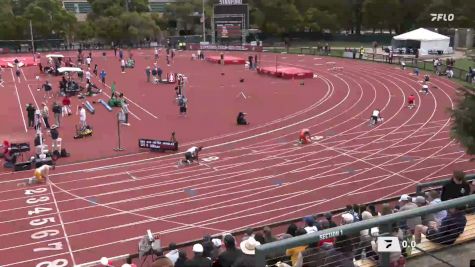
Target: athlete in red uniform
[[304, 136], [411, 101]]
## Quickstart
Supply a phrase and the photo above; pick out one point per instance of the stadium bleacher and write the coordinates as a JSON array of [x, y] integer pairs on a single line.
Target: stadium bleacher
[[274, 253]]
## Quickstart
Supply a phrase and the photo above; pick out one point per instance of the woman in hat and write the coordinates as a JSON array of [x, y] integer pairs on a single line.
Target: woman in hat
[[248, 248]]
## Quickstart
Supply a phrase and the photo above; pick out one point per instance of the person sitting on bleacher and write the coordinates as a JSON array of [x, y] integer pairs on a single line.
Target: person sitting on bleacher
[[433, 197], [396, 259], [450, 229]]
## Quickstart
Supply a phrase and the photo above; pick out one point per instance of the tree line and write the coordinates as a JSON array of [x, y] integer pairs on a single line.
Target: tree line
[[130, 20]]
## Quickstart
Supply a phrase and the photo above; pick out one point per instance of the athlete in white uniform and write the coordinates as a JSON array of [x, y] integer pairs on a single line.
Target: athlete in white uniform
[[192, 154], [376, 115]]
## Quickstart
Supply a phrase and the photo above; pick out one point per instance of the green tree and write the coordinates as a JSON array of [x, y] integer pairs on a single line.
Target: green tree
[[49, 19], [381, 14], [463, 124], [277, 16]]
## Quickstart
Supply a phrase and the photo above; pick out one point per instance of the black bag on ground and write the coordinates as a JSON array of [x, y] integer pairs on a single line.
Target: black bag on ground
[[64, 154]]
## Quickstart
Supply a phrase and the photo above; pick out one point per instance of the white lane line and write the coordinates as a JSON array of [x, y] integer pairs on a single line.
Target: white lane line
[[19, 103], [58, 213]]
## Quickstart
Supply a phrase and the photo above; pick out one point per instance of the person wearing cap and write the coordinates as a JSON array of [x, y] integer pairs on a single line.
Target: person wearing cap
[[456, 187], [407, 204], [248, 248], [229, 256], [198, 260], [241, 119], [310, 224]]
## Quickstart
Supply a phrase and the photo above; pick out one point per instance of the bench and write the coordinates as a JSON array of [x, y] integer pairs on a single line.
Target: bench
[[426, 245]]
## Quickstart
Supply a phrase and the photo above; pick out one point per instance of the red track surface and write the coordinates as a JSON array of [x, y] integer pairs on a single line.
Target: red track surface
[[258, 176]]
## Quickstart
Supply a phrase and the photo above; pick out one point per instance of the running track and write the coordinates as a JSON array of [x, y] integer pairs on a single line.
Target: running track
[[252, 177]]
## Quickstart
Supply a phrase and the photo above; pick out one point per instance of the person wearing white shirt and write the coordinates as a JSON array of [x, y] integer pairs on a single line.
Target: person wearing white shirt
[[88, 76], [122, 65], [82, 117], [434, 198], [376, 115], [425, 89], [192, 154], [156, 54], [88, 61], [173, 254]]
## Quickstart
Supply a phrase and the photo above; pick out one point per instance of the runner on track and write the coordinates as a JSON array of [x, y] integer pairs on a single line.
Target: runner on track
[[192, 154], [41, 174], [411, 101], [375, 117]]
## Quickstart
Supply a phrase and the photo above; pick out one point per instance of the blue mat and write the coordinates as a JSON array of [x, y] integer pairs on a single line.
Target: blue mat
[[90, 108], [105, 104]]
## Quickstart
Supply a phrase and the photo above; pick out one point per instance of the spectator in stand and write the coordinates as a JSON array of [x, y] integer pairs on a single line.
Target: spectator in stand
[[181, 261], [456, 187], [331, 240], [373, 211], [294, 252], [248, 233], [291, 229], [248, 248], [342, 254], [260, 238], [228, 257], [451, 228], [310, 224], [366, 236], [329, 217], [198, 260], [386, 209], [407, 204], [173, 253], [268, 235], [162, 261], [217, 243], [30, 109], [433, 198], [207, 246], [314, 255], [350, 210]]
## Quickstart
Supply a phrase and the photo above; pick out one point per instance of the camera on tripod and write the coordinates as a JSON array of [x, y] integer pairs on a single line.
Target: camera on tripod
[[149, 245]]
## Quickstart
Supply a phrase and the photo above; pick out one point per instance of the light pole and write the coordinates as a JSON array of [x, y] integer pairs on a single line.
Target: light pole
[[203, 20]]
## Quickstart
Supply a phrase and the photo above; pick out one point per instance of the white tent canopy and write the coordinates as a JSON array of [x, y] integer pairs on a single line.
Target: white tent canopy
[[429, 40]]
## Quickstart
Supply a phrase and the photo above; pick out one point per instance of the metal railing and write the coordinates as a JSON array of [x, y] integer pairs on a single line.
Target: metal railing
[[384, 223], [421, 186]]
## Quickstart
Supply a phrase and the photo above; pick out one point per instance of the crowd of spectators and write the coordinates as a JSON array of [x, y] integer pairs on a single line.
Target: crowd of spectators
[[442, 227]]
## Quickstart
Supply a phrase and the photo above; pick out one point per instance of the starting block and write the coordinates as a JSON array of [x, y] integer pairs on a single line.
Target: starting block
[[105, 105], [90, 108]]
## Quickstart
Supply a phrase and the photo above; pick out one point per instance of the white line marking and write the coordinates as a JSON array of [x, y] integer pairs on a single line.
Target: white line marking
[[58, 213], [19, 103]]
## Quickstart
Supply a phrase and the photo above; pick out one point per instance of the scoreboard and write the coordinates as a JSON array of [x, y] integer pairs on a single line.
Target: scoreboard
[[230, 19]]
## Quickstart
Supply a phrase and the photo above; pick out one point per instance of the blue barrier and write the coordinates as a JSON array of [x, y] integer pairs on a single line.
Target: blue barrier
[[90, 108], [105, 104]]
